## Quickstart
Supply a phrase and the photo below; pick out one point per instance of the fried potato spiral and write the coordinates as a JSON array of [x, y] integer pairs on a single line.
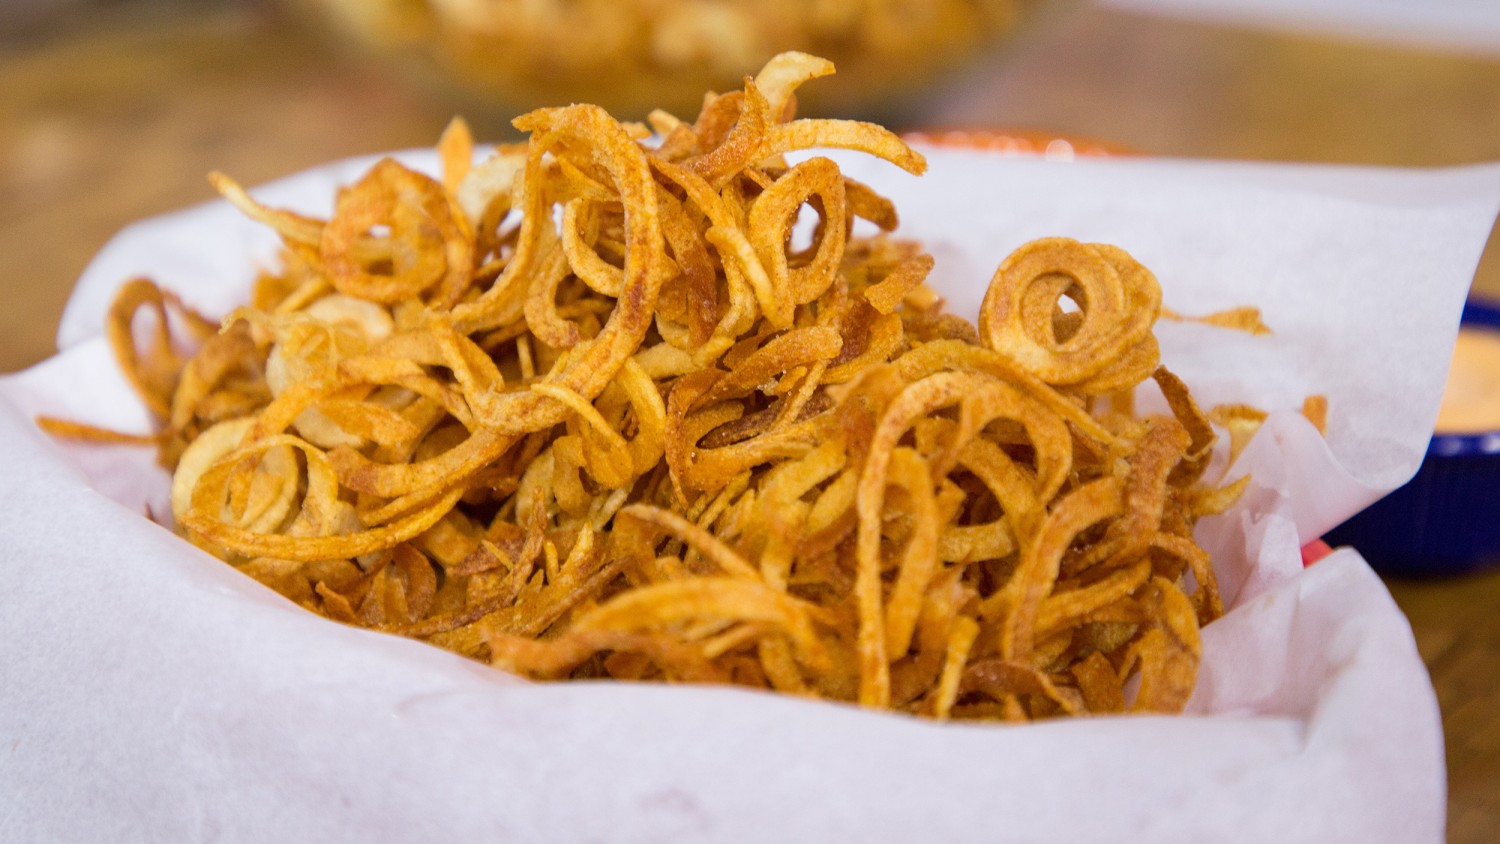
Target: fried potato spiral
[[604, 405]]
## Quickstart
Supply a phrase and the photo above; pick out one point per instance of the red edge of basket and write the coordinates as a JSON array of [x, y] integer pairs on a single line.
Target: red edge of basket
[[1019, 142]]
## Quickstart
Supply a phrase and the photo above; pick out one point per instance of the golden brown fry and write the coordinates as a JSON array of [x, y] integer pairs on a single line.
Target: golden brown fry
[[584, 411], [1315, 408], [1246, 319]]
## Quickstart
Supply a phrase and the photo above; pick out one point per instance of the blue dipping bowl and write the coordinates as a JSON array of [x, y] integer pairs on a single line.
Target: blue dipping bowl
[[1446, 520]]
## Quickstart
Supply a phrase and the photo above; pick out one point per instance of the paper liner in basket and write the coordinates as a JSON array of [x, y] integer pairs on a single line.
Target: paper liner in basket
[[151, 692]]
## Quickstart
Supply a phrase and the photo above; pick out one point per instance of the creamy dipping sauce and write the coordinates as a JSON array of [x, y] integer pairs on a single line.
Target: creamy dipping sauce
[[1471, 401]]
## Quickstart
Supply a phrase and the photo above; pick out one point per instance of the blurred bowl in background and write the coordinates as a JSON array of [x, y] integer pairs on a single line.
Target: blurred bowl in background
[[1446, 519], [631, 56]]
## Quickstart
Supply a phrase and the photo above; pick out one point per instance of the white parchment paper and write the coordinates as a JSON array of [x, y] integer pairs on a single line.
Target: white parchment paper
[[149, 692]]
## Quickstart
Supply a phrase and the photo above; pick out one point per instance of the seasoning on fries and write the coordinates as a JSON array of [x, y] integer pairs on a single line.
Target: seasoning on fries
[[589, 409]]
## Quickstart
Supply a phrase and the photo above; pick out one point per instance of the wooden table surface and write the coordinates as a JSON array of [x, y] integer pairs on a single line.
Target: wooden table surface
[[107, 119]]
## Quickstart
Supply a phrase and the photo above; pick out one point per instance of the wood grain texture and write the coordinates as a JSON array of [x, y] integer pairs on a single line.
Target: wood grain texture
[[107, 121]]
